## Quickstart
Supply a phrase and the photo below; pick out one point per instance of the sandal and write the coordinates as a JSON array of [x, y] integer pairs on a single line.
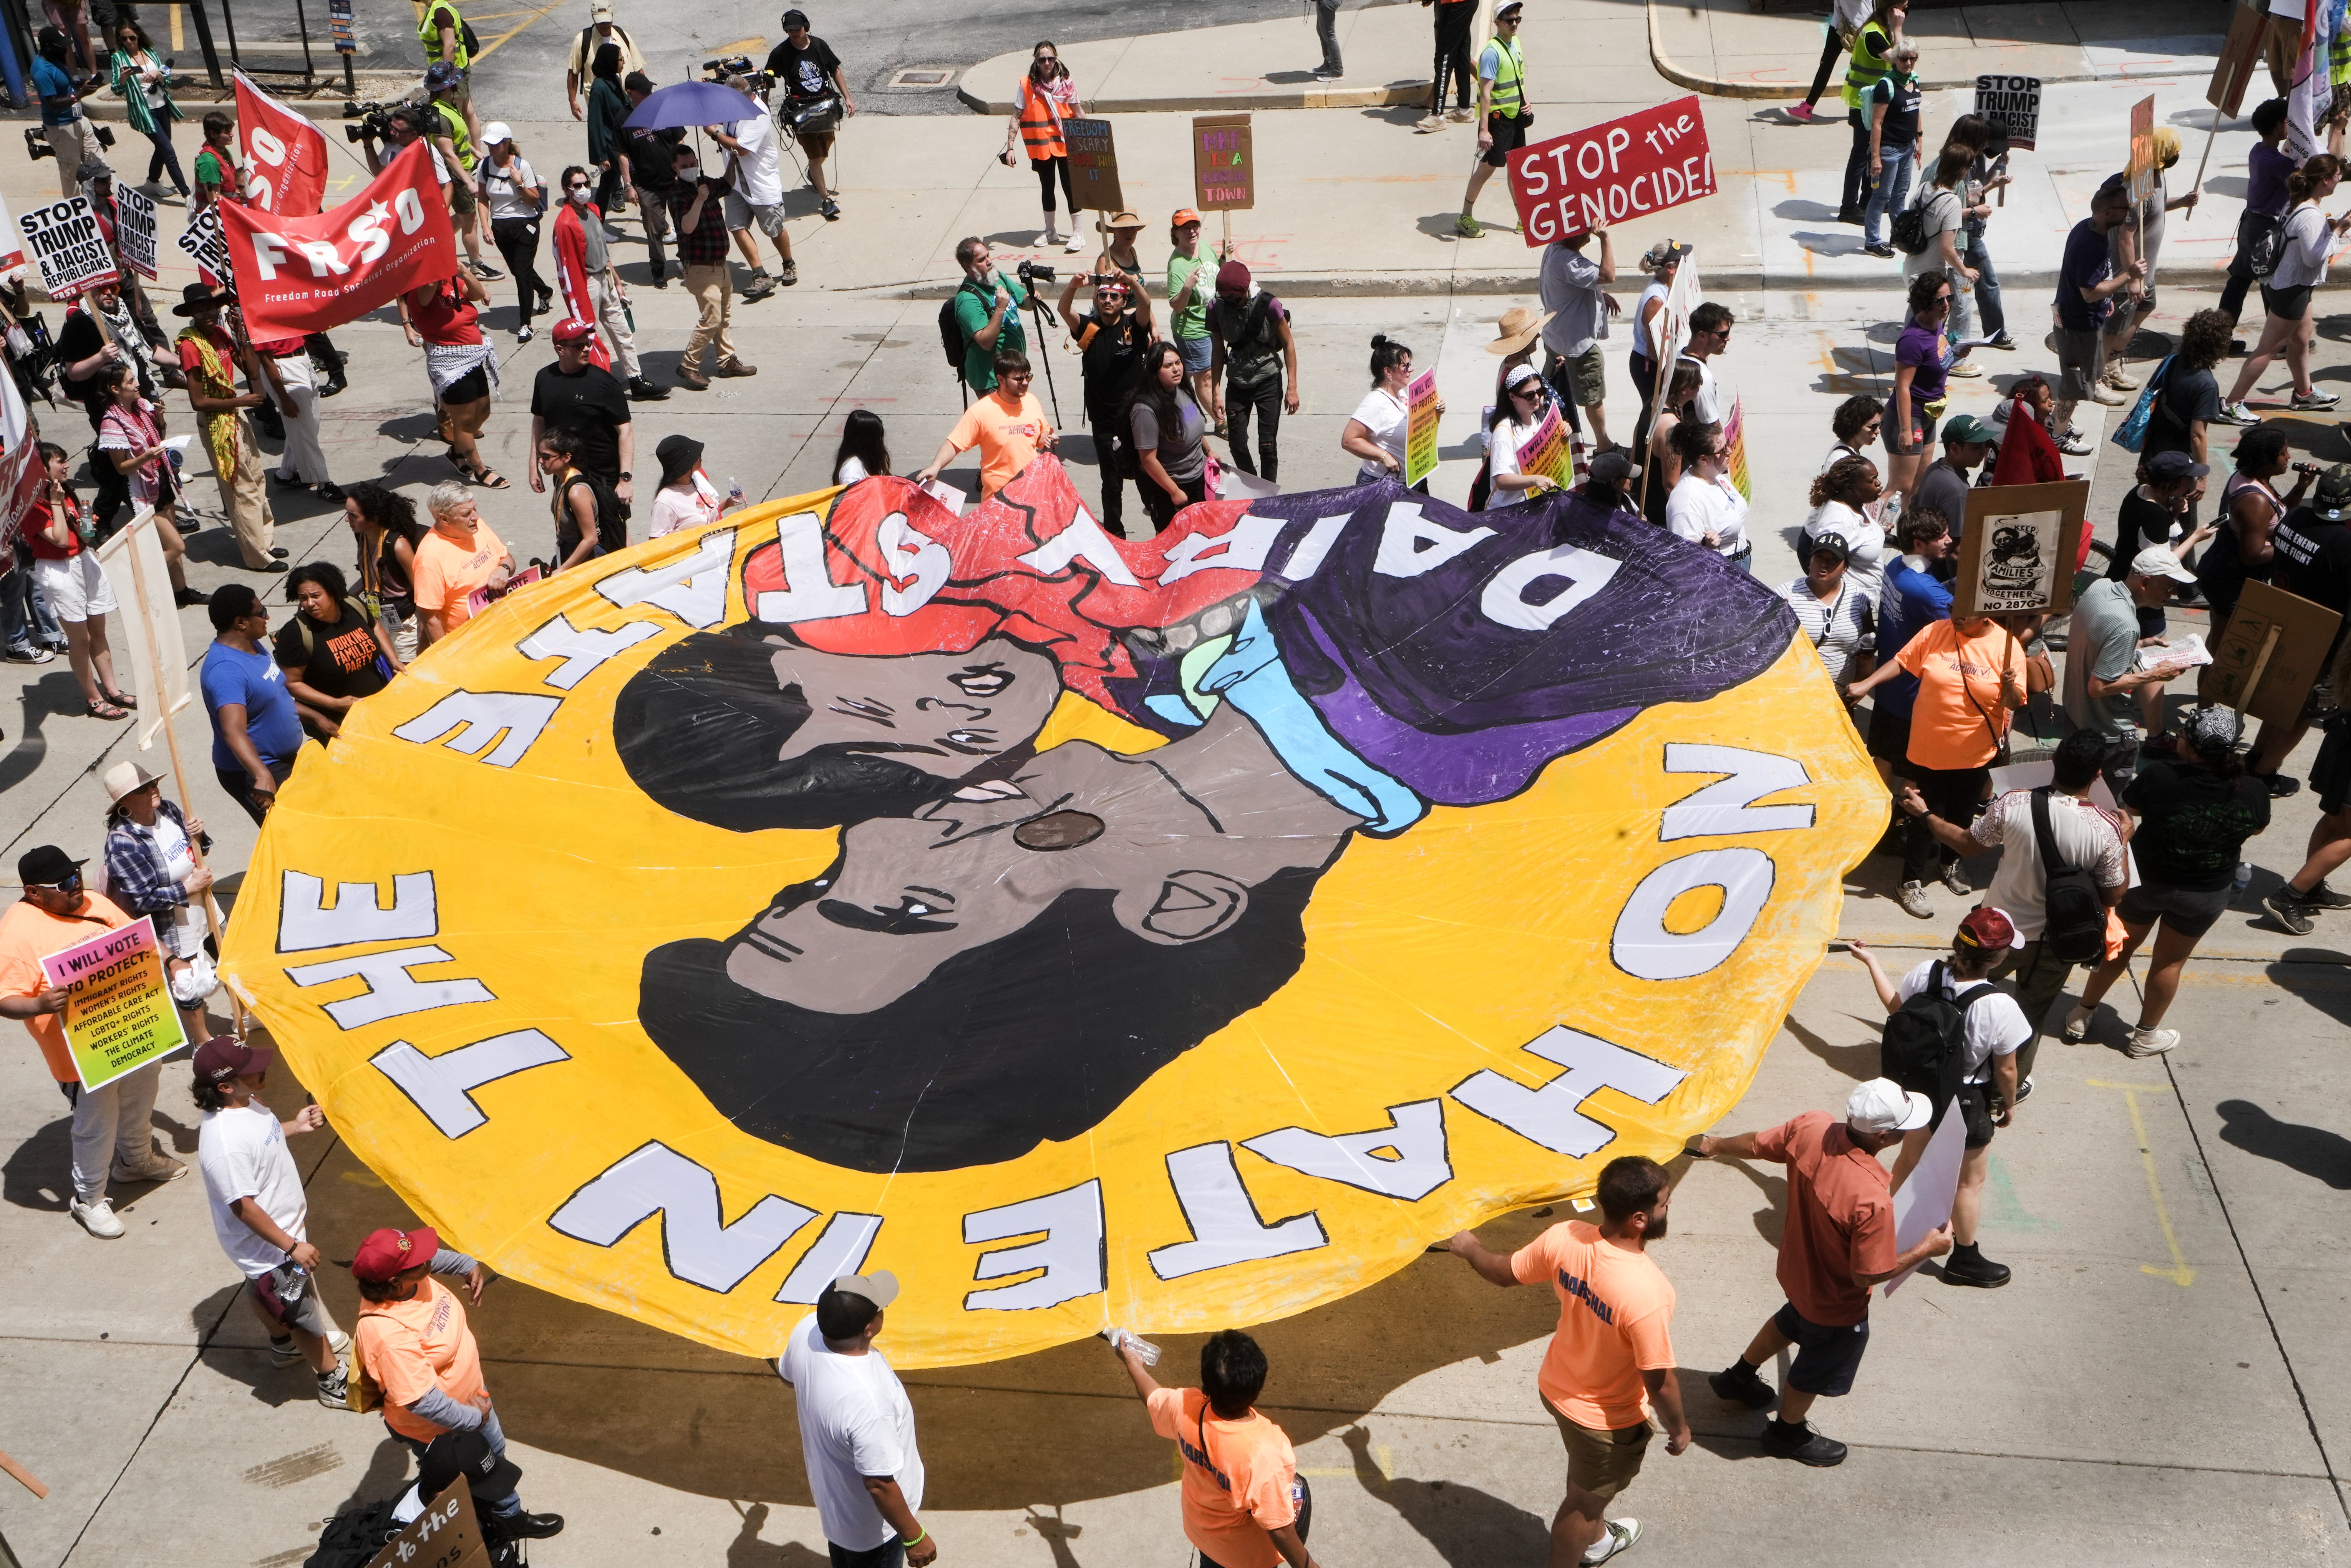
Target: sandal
[[123, 700], [101, 709], [490, 479]]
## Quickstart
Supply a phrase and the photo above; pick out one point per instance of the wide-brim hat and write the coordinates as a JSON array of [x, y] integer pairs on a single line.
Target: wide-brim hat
[[196, 295], [1516, 330], [124, 778]]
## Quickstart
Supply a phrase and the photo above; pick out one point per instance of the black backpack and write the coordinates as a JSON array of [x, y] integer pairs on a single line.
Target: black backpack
[[1908, 232], [2075, 929], [353, 1537], [1924, 1048], [2263, 234], [951, 338]]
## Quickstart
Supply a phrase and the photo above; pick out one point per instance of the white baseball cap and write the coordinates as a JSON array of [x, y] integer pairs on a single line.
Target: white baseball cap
[[1882, 1105], [2158, 561], [496, 132]]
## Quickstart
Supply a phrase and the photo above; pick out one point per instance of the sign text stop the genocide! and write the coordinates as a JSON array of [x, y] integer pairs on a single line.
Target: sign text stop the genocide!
[[1626, 168]]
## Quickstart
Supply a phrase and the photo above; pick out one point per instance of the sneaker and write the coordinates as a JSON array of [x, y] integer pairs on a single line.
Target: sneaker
[[1852, 215], [2152, 1042], [2315, 398], [486, 272], [1914, 901], [2073, 444], [1967, 1266], [1802, 1444], [1461, 116], [761, 287], [531, 1526], [96, 1217], [1427, 123], [1616, 1534], [644, 391], [2003, 341], [1801, 113], [2025, 1090], [734, 368], [2237, 414], [335, 1389], [545, 303], [2077, 1025], [2280, 785], [2289, 910], [1881, 250], [1741, 1384], [1077, 243], [284, 1352], [790, 272], [30, 656], [1467, 227], [2100, 392], [522, 334], [1964, 367], [661, 279], [831, 209], [150, 1167], [2326, 898], [2120, 380], [1956, 880], [1327, 74]]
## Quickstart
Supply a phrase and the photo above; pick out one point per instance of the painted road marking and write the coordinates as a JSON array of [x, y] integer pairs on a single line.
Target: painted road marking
[[2179, 1273]]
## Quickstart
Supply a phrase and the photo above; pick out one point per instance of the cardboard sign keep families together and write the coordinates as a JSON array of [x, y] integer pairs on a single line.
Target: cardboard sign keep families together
[[118, 1014], [1629, 167], [2018, 549]]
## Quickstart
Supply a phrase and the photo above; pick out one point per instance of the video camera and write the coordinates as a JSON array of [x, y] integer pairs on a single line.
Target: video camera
[[1030, 271], [374, 120], [718, 70], [37, 141]]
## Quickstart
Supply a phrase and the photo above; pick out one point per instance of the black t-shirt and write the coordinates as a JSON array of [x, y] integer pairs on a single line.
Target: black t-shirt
[[1111, 361], [77, 339], [611, 528], [2138, 524], [804, 73], [2314, 558], [1902, 100], [2196, 823], [2184, 396], [339, 659], [653, 157], [594, 404]]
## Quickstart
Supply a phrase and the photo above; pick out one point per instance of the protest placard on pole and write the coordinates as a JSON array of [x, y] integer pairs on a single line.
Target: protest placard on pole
[[1420, 427], [202, 244], [2141, 167], [67, 247], [1093, 165], [1630, 167], [2014, 105], [447, 1534], [2018, 549], [119, 1012], [2241, 56], [135, 230], [2269, 656], [1223, 163]]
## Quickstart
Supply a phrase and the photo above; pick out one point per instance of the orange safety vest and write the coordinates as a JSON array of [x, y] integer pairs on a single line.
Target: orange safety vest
[[1041, 123]]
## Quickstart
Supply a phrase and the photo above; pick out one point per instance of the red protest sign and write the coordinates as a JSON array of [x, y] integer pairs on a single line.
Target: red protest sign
[[298, 275], [284, 154], [1629, 167]]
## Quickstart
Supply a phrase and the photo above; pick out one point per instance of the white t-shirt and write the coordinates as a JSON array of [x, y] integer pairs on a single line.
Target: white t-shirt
[[1864, 543], [178, 865], [1503, 442], [1706, 406], [1995, 1027], [758, 172], [674, 509], [507, 188], [1699, 506], [2085, 837], [1383, 414], [243, 1153], [855, 1421], [851, 471]]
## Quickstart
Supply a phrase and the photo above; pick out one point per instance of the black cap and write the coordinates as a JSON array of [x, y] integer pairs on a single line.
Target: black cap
[[1829, 544], [47, 864], [488, 1475], [637, 81], [1611, 468]]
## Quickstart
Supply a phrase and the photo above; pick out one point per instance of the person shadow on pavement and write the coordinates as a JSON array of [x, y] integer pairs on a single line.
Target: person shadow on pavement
[[2315, 1152], [1468, 1527], [747, 1551]]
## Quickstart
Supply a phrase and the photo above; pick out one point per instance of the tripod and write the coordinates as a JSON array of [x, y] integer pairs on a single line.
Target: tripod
[[1044, 313]]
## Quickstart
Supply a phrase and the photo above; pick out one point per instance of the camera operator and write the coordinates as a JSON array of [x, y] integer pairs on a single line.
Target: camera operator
[[755, 180], [811, 73], [1111, 341], [453, 130], [988, 312]]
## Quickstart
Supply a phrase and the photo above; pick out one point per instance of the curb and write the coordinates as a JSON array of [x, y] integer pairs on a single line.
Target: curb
[[1713, 87], [1307, 96], [376, 86]]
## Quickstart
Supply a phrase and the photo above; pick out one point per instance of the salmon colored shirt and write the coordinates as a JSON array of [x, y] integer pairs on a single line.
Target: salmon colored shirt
[[28, 934], [1616, 1306], [1236, 1479], [448, 574], [1840, 1217], [1006, 438], [414, 1347], [1958, 717]]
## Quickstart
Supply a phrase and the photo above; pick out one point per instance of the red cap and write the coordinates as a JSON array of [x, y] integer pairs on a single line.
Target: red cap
[[225, 1057], [387, 1252], [573, 329], [1234, 276], [1990, 930]]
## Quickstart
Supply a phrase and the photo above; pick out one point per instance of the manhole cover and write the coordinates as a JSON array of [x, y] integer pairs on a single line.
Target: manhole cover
[[921, 78]]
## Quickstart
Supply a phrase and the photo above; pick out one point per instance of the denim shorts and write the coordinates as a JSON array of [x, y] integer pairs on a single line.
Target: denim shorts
[[1199, 353]]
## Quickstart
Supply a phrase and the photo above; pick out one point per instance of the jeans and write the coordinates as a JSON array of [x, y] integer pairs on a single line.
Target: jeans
[[1453, 25], [1955, 795], [1326, 28], [1113, 483], [1892, 188], [25, 617], [1987, 287], [654, 208], [518, 241], [238, 787], [110, 1123], [507, 1507], [1856, 166], [1267, 400], [167, 157], [1163, 506]]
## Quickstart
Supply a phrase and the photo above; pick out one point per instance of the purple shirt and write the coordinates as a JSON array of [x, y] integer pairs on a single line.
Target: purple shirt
[[2266, 168], [1922, 347]]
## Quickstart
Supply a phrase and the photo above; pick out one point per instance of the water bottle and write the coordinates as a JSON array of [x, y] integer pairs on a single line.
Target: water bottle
[[734, 492], [2244, 877], [1889, 513], [1145, 1350]]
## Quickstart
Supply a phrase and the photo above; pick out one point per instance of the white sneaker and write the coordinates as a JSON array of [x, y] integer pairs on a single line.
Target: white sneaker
[[1956, 880], [96, 1217], [1914, 901], [2077, 1025], [1077, 243], [150, 1167], [335, 1389], [1621, 1533], [2101, 392], [2121, 381], [2152, 1042], [1964, 367], [1048, 239]]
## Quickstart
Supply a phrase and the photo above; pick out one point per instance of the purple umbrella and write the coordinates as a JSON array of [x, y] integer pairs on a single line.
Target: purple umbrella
[[689, 104]]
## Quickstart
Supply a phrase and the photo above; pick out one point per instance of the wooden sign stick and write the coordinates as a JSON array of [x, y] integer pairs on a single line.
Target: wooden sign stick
[[2209, 137], [22, 1474], [2261, 665]]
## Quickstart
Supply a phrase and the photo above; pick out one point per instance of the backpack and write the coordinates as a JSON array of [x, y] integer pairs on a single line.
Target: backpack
[[1252, 348], [353, 1537], [1908, 232], [951, 337], [2263, 236], [1924, 1047], [2075, 931]]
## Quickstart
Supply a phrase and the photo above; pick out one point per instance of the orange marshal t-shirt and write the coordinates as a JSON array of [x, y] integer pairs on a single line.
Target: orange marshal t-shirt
[[1840, 1217], [414, 1347], [1958, 717], [1236, 1479], [1006, 438], [446, 572], [28, 934], [1616, 1307]]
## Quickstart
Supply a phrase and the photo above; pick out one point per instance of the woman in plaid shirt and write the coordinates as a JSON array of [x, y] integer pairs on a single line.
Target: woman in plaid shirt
[[152, 870]]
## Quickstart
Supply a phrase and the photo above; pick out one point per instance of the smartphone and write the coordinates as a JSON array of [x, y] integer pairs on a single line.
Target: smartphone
[[1840, 947]]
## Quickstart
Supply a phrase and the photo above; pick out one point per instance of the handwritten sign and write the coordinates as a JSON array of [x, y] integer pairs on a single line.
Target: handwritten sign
[[202, 242], [1734, 448], [2011, 103], [1548, 452], [1640, 164], [67, 247], [2142, 149], [1224, 166], [118, 1015], [1420, 427], [2018, 549], [135, 230], [1093, 165], [447, 1534]]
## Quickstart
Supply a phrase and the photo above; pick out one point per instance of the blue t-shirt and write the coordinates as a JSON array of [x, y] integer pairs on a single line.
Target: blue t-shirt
[[49, 81], [2088, 263], [1914, 601], [255, 681]]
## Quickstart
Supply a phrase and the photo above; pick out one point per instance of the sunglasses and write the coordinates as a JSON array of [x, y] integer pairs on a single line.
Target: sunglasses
[[70, 885], [1532, 390]]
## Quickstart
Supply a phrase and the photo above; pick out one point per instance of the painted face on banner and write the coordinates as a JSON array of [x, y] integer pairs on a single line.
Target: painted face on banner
[[1181, 930]]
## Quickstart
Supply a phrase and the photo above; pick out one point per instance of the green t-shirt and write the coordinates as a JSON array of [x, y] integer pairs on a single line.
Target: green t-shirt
[[1192, 321], [208, 169], [972, 310]]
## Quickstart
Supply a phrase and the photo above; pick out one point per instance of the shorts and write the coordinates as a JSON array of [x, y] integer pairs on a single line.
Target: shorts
[[2286, 304], [463, 203], [1889, 735], [76, 588], [2185, 912], [1974, 1101], [1510, 135], [1922, 433], [2082, 354], [306, 1314], [815, 143], [2330, 776], [1601, 1461], [1587, 377], [1199, 353], [891, 1553], [470, 387], [741, 215], [1827, 1356]]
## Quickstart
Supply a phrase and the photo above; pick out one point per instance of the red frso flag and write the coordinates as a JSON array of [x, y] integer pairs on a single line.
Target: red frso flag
[[298, 275], [285, 155]]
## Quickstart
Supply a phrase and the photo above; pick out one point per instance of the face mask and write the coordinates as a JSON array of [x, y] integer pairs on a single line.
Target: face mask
[[582, 195]]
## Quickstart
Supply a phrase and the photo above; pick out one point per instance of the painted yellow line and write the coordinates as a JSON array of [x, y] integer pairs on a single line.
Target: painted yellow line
[[179, 39], [2179, 1273], [740, 45], [529, 18]]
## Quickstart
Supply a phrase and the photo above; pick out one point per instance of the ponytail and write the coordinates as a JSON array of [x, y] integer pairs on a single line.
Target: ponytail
[[2318, 168]]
